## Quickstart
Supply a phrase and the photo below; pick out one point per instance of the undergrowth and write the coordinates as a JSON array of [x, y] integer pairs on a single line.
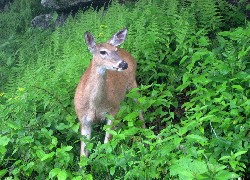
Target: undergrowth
[[193, 75]]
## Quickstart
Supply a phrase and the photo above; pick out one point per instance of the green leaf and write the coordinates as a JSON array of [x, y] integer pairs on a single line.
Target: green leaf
[[75, 127], [112, 171], [62, 126], [47, 156], [77, 178], [196, 138], [131, 131], [187, 168], [4, 140], [120, 136], [112, 132], [248, 7], [206, 118], [130, 124], [88, 177], [29, 166], [54, 172], [67, 148], [40, 153], [182, 130], [27, 139], [62, 175], [183, 59], [2, 149], [238, 87], [186, 77], [239, 153], [14, 125], [225, 175], [3, 172], [83, 161], [203, 41], [224, 157]]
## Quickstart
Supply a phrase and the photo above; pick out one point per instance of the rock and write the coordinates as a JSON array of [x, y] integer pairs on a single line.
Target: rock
[[4, 4], [62, 4], [43, 21], [61, 19], [64, 8]]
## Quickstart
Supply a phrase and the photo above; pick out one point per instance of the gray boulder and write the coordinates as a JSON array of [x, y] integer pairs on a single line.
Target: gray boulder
[[64, 8], [62, 4], [43, 21]]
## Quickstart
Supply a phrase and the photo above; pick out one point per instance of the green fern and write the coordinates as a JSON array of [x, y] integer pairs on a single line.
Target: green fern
[[207, 14], [194, 95]]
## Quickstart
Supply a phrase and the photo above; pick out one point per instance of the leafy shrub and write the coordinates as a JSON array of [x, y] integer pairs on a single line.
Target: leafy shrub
[[193, 73]]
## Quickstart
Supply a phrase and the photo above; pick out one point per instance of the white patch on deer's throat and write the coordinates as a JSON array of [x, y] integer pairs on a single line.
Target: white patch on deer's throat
[[101, 70]]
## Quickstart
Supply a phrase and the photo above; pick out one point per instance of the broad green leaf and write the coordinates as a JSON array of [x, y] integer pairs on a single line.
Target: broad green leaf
[[62, 126], [206, 118], [47, 156], [112, 171], [120, 136], [54, 172], [237, 87], [88, 177], [77, 178], [196, 138], [225, 175], [75, 127], [182, 130], [27, 139], [83, 161], [112, 132], [40, 153], [185, 77], [67, 148], [131, 131], [30, 165], [130, 124], [3, 172], [224, 157], [248, 7], [203, 41], [2, 149], [4, 140], [14, 125], [183, 59], [187, 168], [62, 175], [240, 153]]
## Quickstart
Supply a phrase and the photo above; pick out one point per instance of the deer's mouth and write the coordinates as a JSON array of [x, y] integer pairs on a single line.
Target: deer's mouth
[[121, 66], [117, 69]]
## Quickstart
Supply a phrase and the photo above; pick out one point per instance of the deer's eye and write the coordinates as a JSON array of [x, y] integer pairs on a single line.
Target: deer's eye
[[103, 52]]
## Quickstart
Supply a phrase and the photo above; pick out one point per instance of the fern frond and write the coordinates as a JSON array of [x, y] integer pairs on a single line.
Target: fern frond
[[207, 14]]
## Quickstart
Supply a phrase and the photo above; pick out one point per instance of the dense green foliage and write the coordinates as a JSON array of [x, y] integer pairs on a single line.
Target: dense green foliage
[[193, 71]]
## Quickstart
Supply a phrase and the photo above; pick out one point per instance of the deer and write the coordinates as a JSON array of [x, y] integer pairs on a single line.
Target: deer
[[103, 86]]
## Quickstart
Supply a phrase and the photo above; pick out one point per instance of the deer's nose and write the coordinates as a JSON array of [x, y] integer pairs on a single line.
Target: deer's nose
[[123, 65]]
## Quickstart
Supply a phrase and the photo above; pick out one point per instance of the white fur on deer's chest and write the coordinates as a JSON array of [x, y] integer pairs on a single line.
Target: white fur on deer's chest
[[99, 105]]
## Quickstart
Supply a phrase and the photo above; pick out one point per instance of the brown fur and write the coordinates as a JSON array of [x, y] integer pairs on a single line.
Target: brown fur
[[117, 83], [104, 84]]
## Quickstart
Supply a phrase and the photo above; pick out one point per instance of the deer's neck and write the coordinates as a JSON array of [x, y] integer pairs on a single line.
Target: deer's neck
[[97, 80]]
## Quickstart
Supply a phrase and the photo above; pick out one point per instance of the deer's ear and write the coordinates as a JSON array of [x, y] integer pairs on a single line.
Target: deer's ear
[[90, 41], [119, 37]]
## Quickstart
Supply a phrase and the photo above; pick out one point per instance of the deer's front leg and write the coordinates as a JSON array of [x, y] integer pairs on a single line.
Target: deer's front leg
[[108, 136], [86, 127]]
